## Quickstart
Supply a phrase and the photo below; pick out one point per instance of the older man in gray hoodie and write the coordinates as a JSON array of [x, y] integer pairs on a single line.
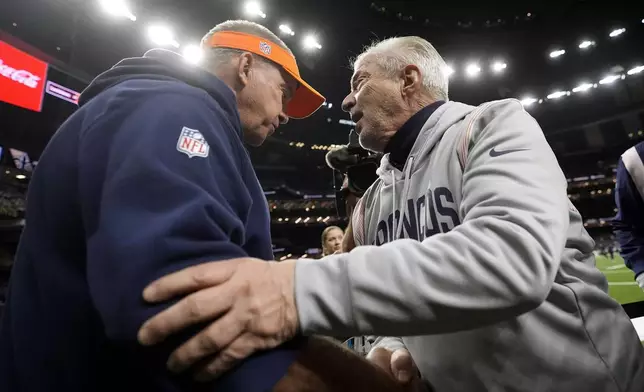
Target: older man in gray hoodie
[[470, 255]]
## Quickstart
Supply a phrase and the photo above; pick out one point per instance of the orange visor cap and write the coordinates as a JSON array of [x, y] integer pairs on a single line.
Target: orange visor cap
[[306, 99]]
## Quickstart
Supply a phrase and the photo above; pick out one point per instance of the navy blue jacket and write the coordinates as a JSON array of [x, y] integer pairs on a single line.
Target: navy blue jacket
[[148, 177], [629, 222]]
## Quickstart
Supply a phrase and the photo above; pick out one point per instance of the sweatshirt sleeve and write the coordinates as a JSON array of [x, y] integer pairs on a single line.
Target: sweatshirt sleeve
[[150, 209], [390, 343], [629, 228], [499, 263]]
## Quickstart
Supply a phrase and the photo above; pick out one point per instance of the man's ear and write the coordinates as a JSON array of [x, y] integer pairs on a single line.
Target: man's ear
[[412, 80], [244, 65]]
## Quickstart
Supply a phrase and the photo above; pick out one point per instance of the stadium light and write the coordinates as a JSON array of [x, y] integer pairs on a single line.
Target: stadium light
[[558, 94], [617, 32], [253, 8], [636, 70], [286, 30], [499, 66], [118, 8], [586, 44], [557, 53], [310, 43], [193, 54], [162, 36], [583, 87], [609, 79], [528, 101], [472, 70]]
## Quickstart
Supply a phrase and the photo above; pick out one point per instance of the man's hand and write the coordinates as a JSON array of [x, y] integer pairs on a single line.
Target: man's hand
[[399, 365], [325, 366], [640, 280], [251, 302]]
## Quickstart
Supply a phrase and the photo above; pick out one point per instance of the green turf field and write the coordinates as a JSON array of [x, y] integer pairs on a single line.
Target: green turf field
[[621, 284]]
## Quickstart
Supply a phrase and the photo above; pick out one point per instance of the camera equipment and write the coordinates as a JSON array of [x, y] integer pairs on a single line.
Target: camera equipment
[[354, 170]]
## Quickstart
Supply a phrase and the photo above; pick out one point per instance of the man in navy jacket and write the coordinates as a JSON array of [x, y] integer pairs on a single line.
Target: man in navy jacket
[[148, 177], [629, 198]]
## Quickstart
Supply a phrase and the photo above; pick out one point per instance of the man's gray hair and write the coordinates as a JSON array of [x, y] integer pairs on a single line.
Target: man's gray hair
[[214, 57], [393, 54]]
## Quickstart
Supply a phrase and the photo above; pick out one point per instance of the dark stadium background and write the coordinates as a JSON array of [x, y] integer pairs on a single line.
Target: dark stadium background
[[588, 131]]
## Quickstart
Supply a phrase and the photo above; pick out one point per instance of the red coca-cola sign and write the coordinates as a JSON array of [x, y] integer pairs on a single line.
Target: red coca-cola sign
[[22, 78]]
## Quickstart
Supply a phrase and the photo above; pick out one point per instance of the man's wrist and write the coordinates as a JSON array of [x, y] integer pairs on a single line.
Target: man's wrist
[[285, 279]]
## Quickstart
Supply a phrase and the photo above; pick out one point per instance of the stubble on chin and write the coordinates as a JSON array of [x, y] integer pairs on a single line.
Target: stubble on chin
[[371, 142]]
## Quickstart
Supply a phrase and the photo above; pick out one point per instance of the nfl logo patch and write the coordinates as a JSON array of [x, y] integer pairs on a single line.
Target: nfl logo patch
[[192, 143], [265, 48]]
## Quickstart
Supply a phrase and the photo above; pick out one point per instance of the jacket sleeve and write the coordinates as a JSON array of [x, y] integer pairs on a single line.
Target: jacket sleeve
[[629, 228], [499, 263], [149, 210]]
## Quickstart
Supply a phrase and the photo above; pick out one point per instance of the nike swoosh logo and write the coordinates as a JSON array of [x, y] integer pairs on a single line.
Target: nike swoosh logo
[[495, 153]]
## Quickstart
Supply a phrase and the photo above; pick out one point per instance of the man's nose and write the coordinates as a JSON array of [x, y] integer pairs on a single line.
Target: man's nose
[[283, 118], [348, 102]]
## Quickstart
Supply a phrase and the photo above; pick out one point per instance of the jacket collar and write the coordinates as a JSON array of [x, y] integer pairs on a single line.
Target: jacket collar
[[401, 143]]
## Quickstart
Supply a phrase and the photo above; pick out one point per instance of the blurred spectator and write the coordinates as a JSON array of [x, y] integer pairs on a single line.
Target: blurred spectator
[[332, 240], [629, 222]]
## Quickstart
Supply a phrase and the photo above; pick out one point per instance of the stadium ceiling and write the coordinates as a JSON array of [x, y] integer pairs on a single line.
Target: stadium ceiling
[[495, 50]]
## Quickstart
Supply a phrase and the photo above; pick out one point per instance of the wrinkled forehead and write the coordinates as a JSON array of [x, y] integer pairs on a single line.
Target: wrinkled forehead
[[365, 63]]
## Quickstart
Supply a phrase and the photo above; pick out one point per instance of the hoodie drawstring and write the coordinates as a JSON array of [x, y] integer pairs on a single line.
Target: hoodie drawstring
[[399, 223], [393, 202]]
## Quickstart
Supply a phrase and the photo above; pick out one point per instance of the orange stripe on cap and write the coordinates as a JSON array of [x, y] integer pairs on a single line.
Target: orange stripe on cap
[[306, 99]]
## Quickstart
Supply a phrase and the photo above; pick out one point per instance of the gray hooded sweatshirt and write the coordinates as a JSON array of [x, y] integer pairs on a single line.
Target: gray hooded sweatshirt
[[476, 258]]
